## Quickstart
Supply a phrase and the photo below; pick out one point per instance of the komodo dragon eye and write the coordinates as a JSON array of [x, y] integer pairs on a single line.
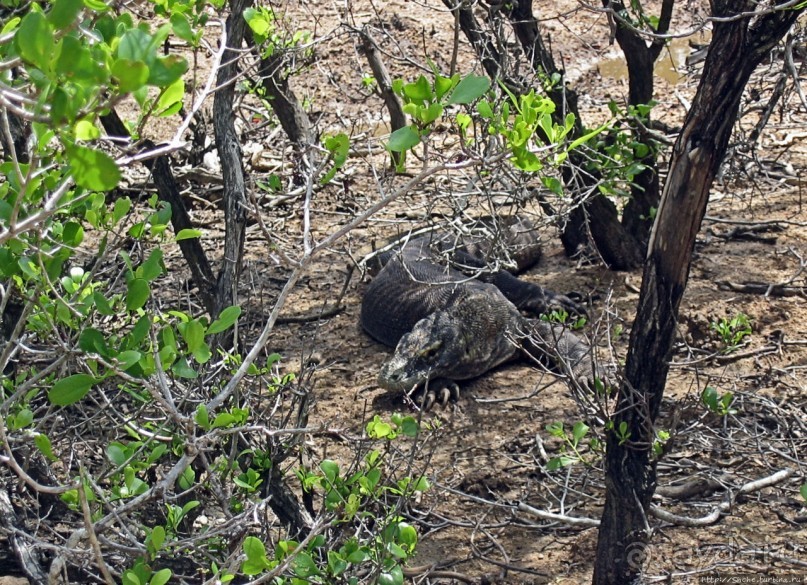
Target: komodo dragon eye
[[429, 352]]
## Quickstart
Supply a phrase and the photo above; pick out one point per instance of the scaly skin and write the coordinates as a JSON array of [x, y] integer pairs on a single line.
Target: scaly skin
[[446, 326]]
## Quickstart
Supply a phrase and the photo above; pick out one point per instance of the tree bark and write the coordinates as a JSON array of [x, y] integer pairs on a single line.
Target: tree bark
[[637, 217], [230, 155], [392, 101], [168, 191], [284, 102], [736, 49]]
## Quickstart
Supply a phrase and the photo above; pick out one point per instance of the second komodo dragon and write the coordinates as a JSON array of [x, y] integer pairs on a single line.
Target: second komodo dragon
[[449, 318]]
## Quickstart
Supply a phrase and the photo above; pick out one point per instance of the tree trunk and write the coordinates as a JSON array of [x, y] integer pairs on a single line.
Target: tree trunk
[[735, 51], [637, 217], [168, 191], [397, 118], [229, 149], [284, 102]]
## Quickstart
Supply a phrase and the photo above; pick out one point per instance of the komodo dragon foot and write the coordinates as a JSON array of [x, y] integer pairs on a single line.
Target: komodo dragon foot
[[440, 390]]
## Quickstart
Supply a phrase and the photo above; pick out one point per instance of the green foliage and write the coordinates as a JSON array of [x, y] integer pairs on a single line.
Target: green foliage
[[571, 445], [337, 147], [264, 24], [716, 403], [561, 317], [732, 331], [618, 154], [425, 101], [658, 444], [353, 499]]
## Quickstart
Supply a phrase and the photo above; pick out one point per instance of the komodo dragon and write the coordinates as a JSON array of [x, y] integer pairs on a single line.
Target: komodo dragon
[[458, 321]]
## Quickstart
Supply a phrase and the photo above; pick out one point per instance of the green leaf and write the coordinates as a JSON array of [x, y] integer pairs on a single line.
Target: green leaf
[[442, 85], [336, 564], [35, 40], [64, 12], [86, 130], [157, 537], [803, 491], [330, 469], [419, 91], [182, 28], [161, 577], [96, 5], [588, 136], [257, 21], [11, 25], [166, 70], [188, 234], [407, 535], [430, 114], [172, 95], [152, 267], [116, 454], [222, 420], [202, 417], [469, 89], [255, 552], [392, 577], [134, 45], [131, 75], [126, 359], [21, 420], [93, 169], [102, 304], [193, 333], [709, 397], [42, 443], [137, 293], [410, 427], [403, 139], [73, 234], [226, 320], [183, 369], [70, 390], [485, 110], [122, 207], [579, 431], [338, 146], [91, 340]]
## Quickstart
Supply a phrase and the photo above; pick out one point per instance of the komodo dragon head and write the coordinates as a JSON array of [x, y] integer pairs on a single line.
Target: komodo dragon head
[[462, 341]]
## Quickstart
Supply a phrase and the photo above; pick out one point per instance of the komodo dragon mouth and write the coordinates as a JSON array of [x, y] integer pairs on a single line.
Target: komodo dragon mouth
[[447, 324]]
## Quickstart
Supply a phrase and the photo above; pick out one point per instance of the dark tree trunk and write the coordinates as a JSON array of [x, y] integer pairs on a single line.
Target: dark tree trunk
[[480, 40], [735, 51], [20, 131], [284, 102], [641, 58], [229, 149], [382, 77], [168, 191]]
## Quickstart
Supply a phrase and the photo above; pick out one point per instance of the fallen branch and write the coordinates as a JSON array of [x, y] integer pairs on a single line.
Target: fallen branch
[[571, 520], [761, 288], [723, 507]]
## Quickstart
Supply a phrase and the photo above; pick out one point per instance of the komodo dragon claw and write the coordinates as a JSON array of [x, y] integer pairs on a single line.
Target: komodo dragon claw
[[423, 396]]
